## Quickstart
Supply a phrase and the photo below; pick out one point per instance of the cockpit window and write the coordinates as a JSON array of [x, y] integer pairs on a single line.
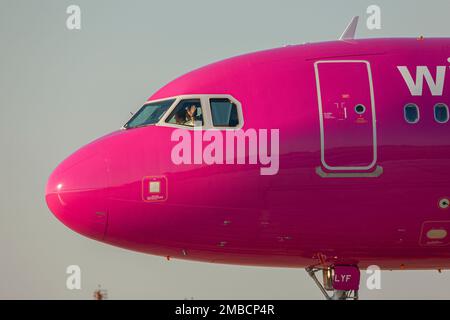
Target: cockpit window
[[150, 113], [224, 112], [188, 112]]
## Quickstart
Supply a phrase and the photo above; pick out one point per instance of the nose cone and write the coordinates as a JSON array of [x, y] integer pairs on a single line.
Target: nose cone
[[77, 192]]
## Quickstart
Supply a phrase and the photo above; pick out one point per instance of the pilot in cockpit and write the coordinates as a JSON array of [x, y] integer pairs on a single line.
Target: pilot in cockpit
[[191, 114], [187, 113], [180, 116]]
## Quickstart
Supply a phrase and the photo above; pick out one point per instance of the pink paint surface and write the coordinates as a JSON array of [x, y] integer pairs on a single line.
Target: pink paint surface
[[232, 214], [346, 278]]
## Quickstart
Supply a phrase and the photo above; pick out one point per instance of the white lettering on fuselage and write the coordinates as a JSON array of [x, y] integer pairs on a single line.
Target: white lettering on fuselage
[[343, 278], [415, 86]]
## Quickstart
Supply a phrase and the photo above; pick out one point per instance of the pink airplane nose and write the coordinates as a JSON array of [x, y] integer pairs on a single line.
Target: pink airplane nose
[[77, 193]]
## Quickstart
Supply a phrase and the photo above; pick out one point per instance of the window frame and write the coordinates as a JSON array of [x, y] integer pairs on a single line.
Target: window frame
[[206, 111], [418, 113], [434, 112]]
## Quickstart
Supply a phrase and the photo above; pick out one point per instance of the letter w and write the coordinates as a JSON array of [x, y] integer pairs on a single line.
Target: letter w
[[416, 87]]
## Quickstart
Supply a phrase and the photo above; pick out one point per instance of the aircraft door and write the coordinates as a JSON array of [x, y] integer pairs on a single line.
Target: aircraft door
[[347, 115]]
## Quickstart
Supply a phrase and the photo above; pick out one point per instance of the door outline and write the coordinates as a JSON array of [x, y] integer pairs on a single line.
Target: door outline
[[374, 128]]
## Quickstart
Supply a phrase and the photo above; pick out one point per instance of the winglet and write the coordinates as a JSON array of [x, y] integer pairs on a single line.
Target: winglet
[[350, 31]]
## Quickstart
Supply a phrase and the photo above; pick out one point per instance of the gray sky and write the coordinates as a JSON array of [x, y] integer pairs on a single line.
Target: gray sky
[[60, 89]]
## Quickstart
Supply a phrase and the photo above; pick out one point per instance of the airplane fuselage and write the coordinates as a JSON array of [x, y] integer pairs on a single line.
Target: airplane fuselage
[[346, 175]]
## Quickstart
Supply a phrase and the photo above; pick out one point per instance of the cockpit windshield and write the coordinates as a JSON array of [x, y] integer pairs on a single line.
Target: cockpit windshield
[[150, 113]]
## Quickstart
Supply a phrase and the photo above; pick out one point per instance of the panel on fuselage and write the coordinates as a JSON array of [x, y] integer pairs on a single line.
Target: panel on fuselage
[[347, 115]]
